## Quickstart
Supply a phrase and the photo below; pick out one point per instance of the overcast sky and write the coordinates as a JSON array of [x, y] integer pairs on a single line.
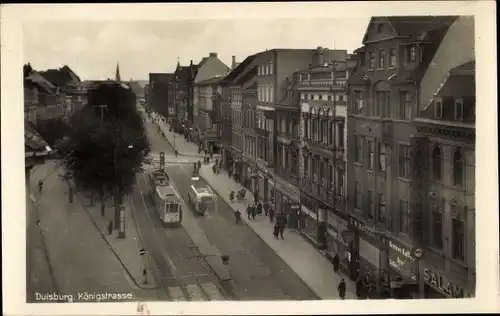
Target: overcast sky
[[92, 48]]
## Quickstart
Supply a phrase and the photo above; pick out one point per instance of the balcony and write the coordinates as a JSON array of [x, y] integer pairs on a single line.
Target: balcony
[[324, 83]]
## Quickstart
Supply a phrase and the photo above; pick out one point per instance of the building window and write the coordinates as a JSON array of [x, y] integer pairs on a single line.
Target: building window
[[306, 166], [458, 238], [358, 196], [306, 128], [371, 206], [382, 98], [459, 109], [438, 108], [329, 98], [371, 60], [371, 154], [437, 224], [381, 208], [405, 161], [270, 68], [411, 54], [437, 164], [358, 102], [381, 157], [358, 148], [392, 58], [340, 135], [271, 91], [404, 217], [458, 169], [340, 182], [405, 105], [381, 59]]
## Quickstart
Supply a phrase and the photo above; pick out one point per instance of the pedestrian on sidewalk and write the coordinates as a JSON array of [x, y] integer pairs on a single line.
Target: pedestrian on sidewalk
[[199, 165], [249, 212], [271, 214], [259, 208], [359, 287], [256, 197], [336, 263], [341, 289], [276, 230], [254, 211], [40, 186], [214, 169], [282, 227], [110, 227], [237, 214], [176, 153], [266, 208]]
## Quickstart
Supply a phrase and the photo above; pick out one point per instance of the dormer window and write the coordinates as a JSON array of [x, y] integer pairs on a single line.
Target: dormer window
[[438, 108], [459, 109], [380, 28]]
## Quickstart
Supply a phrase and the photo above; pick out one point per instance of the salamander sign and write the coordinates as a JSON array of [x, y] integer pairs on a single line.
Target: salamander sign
[[443, 285]]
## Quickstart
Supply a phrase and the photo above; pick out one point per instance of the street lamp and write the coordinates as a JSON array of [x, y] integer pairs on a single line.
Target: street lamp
[[119, 209]]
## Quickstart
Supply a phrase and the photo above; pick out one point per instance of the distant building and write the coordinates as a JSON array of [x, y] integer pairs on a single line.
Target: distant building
[[161, 94], [184, 94]]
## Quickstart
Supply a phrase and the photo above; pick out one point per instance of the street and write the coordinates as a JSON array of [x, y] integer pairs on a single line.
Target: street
[[257, 272]]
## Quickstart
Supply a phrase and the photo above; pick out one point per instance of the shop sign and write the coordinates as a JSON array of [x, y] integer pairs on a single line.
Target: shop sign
[[364, 229], [439, 282], [401, 260]]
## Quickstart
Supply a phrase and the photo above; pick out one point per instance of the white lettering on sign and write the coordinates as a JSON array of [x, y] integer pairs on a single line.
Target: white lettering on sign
[[405, 252], [443, 285], [364, 229]]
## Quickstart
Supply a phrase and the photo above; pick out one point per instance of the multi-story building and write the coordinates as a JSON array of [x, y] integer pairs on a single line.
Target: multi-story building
[[208, 68], [323, 133], [208, 97], [273, 67], [184, 95], [161, 94], [42, 99], [398, 66]]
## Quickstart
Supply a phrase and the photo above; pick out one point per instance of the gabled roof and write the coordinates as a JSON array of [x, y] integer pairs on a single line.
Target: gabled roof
[[40, 81], [240, 68], [461, 82], [60, 77], [413, 27], [212, 80]]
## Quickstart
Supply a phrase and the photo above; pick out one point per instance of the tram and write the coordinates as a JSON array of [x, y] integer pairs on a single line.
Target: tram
[[165, 198], [202, 199]]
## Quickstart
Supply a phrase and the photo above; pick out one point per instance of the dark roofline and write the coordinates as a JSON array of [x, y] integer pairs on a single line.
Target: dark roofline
[[211, 80], [236, 71]]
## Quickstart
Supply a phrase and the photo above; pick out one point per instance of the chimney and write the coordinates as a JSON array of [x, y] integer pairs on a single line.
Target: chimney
[[212, 55], [191, 63], [319, 56], [233, 64]]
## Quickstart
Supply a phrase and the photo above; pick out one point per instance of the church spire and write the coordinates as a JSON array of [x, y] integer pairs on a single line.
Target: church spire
[[117, 75]]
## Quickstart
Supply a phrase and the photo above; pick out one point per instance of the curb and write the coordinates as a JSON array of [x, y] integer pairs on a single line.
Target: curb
[[107, 242], [264, 241]]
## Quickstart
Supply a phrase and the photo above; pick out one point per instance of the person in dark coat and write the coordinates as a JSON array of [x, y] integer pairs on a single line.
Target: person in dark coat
[[336, 263], [237, 214], [341, 289], [199, 165], [110, 227], [259, 208], [254, 211], [359, 287], [249, 212], [282, 228], [276, 230], [266, 208], [271, 214]]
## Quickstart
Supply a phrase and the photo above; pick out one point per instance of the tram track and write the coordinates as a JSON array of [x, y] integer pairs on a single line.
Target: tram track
[[185, 282]]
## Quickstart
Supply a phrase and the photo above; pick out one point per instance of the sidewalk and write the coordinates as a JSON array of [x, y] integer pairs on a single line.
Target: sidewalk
[[307, 262], [80, 258], [181, 145]]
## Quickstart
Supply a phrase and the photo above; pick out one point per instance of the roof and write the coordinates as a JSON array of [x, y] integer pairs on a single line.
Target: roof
[[467, 68], [459, 84], [60, 77], [241, 66], [165, 191], [413, 27], [212, 80], [39, 80], [161, 77], [33, 141]]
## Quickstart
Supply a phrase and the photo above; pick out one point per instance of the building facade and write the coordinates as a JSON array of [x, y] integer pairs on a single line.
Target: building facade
[[185, 89], [383, 102], [323, 125], [161, 94], [273, 69]]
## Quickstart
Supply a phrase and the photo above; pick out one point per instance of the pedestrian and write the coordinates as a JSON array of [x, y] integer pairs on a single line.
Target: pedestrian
[[199, 165], [237, 214], [254, 211], [110, 227], [214, 169], [359, 287], [176, 153], [336, 263], [341, 289], [249, 212], [266, 208], [259, 208], [40, 186], [276, 230], [282, 228], [271, 214]]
